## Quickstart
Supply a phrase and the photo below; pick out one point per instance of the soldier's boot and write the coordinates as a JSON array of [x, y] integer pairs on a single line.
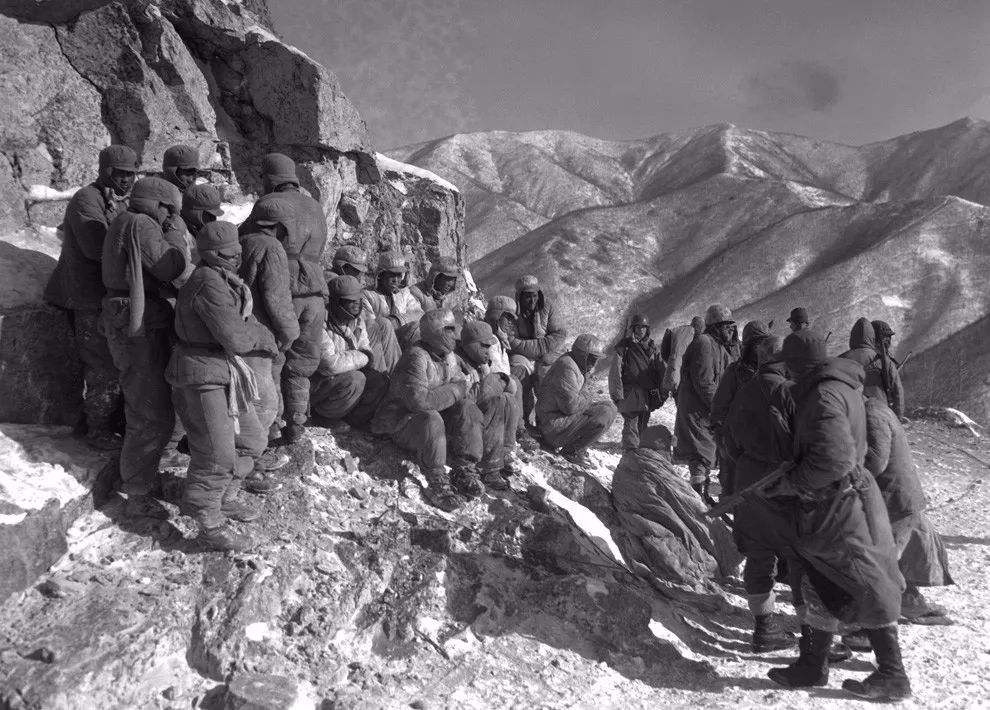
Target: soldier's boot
[[272, 460], [224, 538], [236, 508], [837, 653], [494, 480], [888, 681], [438, 492], [144, 506], [811, 667], [465, 480], [293, 432], [104, 440], [769, 636]]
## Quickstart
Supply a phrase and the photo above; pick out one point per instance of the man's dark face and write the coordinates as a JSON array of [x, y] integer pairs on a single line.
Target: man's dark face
[[350, 306], [507, 323], [392, 281], [121, 182], [639, 331], [185, 177], [528, 300], [444, 284]]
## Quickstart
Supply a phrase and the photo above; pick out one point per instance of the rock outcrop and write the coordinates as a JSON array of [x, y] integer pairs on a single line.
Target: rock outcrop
[[205, 73], [894, 230]]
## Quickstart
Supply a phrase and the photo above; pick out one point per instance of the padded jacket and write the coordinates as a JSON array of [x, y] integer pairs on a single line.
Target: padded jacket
[[265, 269], [421, 382]]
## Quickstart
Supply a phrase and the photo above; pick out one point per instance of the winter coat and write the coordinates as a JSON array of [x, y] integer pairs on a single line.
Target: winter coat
[[265, 269], [736, 375], [538, 337], [665, 534], [421, 382], [77, 281], [304, 242], [758, 436], [426, 295], [161, 260], [881, 371], [500, 352], [210, 328], [843, 532], [636, 369], [342, 348], [483, 382], [401, 307], [703, 365], [561, 394], [672, 348]]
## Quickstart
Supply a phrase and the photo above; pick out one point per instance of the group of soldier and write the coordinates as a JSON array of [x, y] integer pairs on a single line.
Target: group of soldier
[[226, 340], [814, 450]]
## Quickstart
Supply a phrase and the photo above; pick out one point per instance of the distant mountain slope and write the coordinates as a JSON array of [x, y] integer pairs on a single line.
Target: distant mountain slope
[[760, 221]]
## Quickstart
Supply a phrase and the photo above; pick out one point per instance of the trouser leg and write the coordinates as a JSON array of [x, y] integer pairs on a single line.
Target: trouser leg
[[463, 424], [513, 417], [384, 345], [758, 579], [266, 408], [493, 430], [524, 370], [212, 452], [303, 357], [250, 440], [631, 430], [334, 396], [375, 389], [141, 361], [102, 396], [278, 364], [424, 433], [589, 427]]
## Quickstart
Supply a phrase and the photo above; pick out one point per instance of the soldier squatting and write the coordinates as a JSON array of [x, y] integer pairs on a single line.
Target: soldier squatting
[[230, 339]]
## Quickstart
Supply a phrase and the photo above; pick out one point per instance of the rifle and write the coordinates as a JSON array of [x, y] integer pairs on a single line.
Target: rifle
[[728, 503], [903, 362]]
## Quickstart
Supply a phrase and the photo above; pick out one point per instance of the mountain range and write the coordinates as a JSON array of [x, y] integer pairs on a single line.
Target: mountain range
[[895, 230]]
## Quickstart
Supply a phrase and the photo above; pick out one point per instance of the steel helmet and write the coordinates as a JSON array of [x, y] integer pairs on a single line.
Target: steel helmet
[[717, 314], [393, 262], [353, 256], [118, 157], [589, 345], [158, 191], [279, 169], [216, 236], [203, 197], [179, 157], [527, 283], [274, 210]]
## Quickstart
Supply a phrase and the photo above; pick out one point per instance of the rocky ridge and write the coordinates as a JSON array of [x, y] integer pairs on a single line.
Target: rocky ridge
[[896, 230]]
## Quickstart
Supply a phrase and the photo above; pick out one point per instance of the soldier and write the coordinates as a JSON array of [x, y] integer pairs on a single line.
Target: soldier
[[635, 378], [392, 301], [77, 285], [501, 317], [495, 394], [265, 269], [345, 387], [873, 354], [138, 260], [304, 241], [567, 417], [844, 537], [427, 410], [349, 260], [705, 361], [537, 342], [215, 330], [436, 290], [672, 348], [798, 320], [200, 206]]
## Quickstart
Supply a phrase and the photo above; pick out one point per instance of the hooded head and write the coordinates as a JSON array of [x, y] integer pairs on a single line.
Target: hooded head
[[529, 296], [477, 339], [753, 332], [155, 197], [442, 278], [345, 298], [180, 166], [639, 327], [392, 274], [587, 351], [438, 331], [862, 336], [768, 350], [277, 170], [200, 206], [501, 313], [218, 245], [883, 333], [118, 169], [803, 350], [351, 260], [698, 323], [719, 323]]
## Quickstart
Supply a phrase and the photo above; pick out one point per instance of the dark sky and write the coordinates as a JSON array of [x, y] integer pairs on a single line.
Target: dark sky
[[847, 70]]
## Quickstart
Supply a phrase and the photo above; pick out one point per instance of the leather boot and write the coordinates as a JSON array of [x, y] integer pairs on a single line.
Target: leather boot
[[838, 653], [439, 493], [464, 479], [495, 481], [235, 508], [811, 667], [225, 539], [888, 681], [769, 636]]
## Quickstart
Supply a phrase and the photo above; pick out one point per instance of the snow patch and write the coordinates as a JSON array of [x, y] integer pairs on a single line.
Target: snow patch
[[259, 631], [12, 519], [43, 193], [28, 481], [386, 164], [595, 587], [894, 301], [236, 213]]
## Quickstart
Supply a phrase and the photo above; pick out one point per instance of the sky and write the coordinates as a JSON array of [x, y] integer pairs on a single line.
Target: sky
[[853, 71]]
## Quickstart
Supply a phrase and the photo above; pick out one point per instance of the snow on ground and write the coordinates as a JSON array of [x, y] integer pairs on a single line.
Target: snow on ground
[[387, 164]]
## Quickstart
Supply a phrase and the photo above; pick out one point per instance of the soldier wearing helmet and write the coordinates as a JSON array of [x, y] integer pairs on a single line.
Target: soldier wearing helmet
[[200, 206], [437, 289], [501, 316], [139, 262], [704, 363], [304, 240], [347, 386], [216, 330], [350, 260], [537, 341], [180, 166], [635, 378], [428, 400], [568, 418], [391, 297], [77, 285]]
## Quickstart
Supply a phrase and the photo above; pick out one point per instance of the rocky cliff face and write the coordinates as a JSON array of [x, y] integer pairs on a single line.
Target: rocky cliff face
[[763, 222], [208, 73]]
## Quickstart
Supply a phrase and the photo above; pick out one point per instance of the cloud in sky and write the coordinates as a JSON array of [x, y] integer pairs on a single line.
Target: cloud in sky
[[794, 86]]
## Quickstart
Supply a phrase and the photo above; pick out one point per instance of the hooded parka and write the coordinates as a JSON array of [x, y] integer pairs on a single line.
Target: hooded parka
[[704, 363], [567, 416], [425, 291], [843, 532], [881, 372], [637, 370]]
